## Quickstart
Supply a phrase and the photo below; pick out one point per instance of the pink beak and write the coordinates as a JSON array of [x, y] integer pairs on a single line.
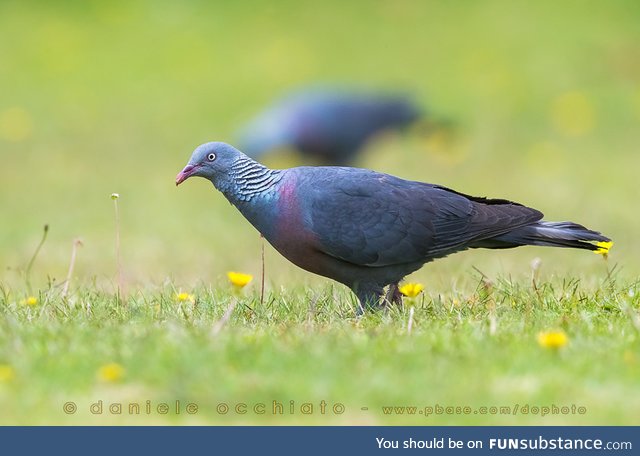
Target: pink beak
[[184, 174]]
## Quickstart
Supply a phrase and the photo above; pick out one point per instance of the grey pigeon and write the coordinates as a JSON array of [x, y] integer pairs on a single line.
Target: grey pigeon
[[366, 229], [328, 125]]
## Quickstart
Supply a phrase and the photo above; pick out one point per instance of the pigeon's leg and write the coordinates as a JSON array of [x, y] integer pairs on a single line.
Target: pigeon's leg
[[393, 295], [368, 297]]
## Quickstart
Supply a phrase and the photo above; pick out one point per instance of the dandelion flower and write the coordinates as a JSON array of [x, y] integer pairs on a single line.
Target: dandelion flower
[[6, 373], [238, 279], [411, 290], [573, 113], [30, 301], [629, 357], [15, 124], [184, 297], [553, 340], [603, 247], [111, 372]]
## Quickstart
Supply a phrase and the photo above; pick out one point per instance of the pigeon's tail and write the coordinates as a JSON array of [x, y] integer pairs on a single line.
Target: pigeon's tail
[[552, 234]]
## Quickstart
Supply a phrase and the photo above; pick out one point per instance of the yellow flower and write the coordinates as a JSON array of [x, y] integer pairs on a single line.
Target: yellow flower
[[238, 279], [573, 113], [629, 357], [184, 297], [111, 372], [6, 373], [552, 339], [411, 290], [15, 124], [30, 301], [603, 247]]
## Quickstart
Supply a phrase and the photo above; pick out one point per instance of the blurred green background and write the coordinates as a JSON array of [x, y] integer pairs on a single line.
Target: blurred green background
[[103, 97]]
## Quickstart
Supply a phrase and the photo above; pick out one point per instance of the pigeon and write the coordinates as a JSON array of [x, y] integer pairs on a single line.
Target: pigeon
[[328, 126], [368, 230]]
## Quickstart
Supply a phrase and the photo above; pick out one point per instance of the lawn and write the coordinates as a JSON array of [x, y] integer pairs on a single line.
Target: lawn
[[476, 353], [108, 97]]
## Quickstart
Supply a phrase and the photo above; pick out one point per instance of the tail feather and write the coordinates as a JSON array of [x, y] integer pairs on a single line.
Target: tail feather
[[552, 234]]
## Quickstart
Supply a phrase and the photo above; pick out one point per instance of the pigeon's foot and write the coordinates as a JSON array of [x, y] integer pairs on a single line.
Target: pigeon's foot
[[393, 296], [368, 298]]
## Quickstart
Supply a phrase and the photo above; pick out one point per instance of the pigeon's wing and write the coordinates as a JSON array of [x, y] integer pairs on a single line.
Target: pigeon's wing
[[374, 219]]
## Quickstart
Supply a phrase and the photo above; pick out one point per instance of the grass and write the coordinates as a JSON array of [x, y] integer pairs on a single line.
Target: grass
[[112, 97], [475, 350]]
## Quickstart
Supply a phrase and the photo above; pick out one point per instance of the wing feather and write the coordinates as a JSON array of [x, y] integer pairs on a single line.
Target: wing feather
[[372, 219]]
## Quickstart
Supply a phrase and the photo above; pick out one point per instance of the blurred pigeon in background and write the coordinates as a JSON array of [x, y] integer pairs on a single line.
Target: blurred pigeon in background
[[328, 126]]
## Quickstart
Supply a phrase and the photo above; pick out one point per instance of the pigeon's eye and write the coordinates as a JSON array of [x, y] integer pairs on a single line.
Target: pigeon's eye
[[211, 157]]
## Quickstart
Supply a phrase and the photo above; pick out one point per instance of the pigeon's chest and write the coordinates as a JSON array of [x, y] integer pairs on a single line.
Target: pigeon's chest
[[292, 235]]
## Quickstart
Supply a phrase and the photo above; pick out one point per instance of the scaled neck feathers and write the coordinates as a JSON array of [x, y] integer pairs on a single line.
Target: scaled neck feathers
[[249, 179]]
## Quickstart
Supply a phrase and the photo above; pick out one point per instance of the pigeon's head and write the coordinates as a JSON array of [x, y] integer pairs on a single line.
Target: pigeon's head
[[211, 160]]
